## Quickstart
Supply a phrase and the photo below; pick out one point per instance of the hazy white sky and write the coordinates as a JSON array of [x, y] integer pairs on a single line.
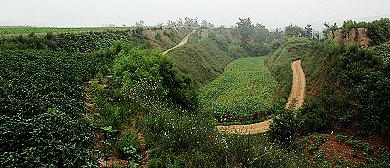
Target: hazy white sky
[[271, 13]]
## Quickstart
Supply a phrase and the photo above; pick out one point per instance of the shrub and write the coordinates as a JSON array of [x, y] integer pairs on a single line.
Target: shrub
[[284, 127]]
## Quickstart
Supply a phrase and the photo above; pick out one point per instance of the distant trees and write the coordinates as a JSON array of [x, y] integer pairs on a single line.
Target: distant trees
[[191, 22], [245, 29], [140, 23], [171, 23], [160, 25], [296, 31], [179, 23], [188, 21], [308, 32], [205, 24], [254, 40], [328, 29], [293, 31]]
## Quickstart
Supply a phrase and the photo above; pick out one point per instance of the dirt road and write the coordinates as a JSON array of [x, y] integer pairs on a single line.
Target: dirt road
[[297, 90], [298, 86], [184, 41]]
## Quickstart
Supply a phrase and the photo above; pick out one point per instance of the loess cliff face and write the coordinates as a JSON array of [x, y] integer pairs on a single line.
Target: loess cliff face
[[358, 35]]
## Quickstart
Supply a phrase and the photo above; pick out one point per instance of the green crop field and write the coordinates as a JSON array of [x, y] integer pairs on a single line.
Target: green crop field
[[245, 90], [7, 31]]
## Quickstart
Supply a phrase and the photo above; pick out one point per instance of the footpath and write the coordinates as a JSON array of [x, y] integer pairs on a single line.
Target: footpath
[[184, 41]]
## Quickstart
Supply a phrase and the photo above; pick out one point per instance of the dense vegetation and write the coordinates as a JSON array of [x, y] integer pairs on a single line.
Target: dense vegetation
[[347, 88], [245, 91], [42, 102], [378, 30], [85, 98]]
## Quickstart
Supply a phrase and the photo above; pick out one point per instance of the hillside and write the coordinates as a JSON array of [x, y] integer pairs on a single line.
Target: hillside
[[346, 98]]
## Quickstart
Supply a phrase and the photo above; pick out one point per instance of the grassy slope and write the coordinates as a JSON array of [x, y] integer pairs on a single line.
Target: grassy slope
[[279, 62], [201, 59], [166, 38]]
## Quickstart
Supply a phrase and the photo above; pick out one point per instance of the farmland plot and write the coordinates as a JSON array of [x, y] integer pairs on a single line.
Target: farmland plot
[[245, 91]]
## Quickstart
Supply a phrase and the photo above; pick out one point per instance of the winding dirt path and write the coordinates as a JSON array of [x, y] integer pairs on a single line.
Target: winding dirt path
[[298, 86], [297, 90], [184, 41]]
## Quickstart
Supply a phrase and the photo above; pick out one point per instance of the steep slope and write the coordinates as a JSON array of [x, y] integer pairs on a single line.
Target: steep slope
[[201, 59], [184, 41]]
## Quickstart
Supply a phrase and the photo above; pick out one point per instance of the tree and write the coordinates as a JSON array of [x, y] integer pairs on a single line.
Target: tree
[[191, 22], [293, 31], [261, 34], [171, 23], [308, 32], [160, 25], [179, 23], [245, 28], [328, 29], [140, 23], [206, 24]]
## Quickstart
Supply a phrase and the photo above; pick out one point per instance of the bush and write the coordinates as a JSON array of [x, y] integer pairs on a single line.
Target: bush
[[133, 65], [33, 82], [313, 118], [284, 127], [128, 147]]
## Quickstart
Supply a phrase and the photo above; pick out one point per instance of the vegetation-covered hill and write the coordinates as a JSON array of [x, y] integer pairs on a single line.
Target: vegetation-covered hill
[[347, 92]]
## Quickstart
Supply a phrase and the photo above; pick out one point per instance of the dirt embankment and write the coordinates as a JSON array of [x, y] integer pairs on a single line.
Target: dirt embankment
[[297, 91], [358, 35]]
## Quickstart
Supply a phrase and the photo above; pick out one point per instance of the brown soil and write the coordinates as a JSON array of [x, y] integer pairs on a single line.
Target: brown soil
[[333, 149], [298, 86], [184, 41], [297, 91]]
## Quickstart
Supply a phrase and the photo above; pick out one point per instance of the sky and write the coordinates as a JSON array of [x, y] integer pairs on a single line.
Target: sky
[[271, 13]]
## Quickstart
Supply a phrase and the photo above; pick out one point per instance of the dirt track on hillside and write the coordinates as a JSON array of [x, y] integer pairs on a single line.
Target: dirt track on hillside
[[297, 90], [298, 86], [184, 41]]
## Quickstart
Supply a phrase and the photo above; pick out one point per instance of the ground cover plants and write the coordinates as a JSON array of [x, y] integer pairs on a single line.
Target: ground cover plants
[[245, 91], [42, 103], [9, 31]]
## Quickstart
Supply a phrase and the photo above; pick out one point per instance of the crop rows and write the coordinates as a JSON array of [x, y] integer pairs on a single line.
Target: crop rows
[[245, 90], [7, 31], [41, 100]]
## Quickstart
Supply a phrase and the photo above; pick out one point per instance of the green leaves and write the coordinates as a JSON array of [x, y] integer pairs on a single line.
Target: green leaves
[[246, 89], [52, 137], [41, 103], [134, 68]]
